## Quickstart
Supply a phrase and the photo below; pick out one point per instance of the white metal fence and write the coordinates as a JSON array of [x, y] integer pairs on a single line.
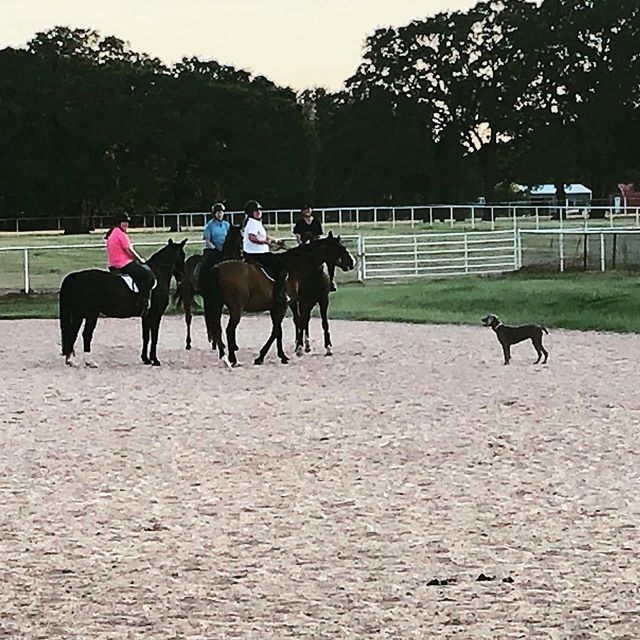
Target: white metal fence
[[378, 257], [475, 215], [438, 254], [579, 249]]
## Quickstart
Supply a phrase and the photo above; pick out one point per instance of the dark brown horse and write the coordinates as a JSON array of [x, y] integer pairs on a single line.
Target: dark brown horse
[[84, 295], [313, 289], [244, 287], [190, 285]]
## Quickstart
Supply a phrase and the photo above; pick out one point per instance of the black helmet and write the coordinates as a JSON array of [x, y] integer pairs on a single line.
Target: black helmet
[[251, 206], [122, 217], [218, 206]]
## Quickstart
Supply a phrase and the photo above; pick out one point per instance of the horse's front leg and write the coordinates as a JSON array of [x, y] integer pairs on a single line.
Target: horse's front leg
[[187, 318], [146, 331], [295, 309], [155, 331], [324, 306]]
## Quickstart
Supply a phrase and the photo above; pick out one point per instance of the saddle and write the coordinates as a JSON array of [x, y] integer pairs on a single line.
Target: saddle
[[129, 281]]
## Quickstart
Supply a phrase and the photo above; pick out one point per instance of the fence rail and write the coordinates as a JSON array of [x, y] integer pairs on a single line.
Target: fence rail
[[475, 215], [378, 257]]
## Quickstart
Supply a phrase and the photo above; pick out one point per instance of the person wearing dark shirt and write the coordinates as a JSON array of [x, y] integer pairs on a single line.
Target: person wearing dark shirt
[[307, 229]]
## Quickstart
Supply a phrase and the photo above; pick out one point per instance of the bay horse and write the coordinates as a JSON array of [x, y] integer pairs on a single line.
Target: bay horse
[[313, 289], [84, 295], [244, 287], [190, 285]]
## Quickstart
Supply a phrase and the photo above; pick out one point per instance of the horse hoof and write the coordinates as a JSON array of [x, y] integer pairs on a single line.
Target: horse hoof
[[90, 364], [307, 348], [299, 352], [284, 360], [258, 361], [155, 363], [146, 361], [188, 347], [235, 365], [70, 363], [328, 352], [226, 361]]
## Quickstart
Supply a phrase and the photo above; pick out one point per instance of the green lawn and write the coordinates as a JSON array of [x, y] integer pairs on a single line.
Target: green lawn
[[591, 301]]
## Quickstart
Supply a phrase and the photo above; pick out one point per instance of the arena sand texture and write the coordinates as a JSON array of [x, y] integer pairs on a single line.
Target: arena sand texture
[[325, 498]]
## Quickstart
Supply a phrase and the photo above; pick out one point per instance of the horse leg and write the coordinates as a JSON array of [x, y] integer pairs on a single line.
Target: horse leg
[[277, 316], [146, 330], [155, 330], [216, 339], [295, 308], [234, 321], [74, 329], [305, 328], [324, 306], [87, 336], [188, 299]]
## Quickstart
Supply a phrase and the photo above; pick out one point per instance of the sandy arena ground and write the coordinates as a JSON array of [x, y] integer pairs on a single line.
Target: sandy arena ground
[[320, 499]]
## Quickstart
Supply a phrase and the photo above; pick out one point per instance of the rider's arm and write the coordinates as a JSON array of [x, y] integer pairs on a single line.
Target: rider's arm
[[299, 238], [254, 238], [135, 255]]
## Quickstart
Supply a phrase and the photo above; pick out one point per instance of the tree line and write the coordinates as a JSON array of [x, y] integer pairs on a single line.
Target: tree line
[[449, 108]]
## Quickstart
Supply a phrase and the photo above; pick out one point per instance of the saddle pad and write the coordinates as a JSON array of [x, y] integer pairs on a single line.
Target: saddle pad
[[129, 282]]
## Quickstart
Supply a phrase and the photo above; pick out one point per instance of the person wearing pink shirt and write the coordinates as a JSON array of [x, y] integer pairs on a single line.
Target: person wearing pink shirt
[[121, 256]]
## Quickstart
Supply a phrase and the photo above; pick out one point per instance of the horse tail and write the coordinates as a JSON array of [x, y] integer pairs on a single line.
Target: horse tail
[[67, 316], [210, 290]]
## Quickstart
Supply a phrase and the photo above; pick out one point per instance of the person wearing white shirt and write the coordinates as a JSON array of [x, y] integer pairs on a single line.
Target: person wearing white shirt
[[255, 247]]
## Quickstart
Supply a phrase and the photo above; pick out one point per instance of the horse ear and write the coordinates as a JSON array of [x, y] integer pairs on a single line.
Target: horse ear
[[184, 242], [170, 241], [330, 234]]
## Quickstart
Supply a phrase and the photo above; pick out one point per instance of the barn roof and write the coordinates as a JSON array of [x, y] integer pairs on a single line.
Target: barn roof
[[550, 190]]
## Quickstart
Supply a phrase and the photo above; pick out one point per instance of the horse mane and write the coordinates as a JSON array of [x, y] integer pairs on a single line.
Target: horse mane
[[168, 249], [309, 247]]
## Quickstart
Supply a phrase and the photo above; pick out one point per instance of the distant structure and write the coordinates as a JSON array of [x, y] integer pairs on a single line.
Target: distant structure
[[575, 195], [629, 196]]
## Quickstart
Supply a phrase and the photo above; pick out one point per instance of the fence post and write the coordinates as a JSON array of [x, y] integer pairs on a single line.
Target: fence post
[[519, 250], [561, 248], [393, 217], [451, 216], [26, 271], [413, 217], [415, 254], [363, 258], [493, 219], [375, 216], [431, 215], [602, 257], [466, 254], [473, 217]]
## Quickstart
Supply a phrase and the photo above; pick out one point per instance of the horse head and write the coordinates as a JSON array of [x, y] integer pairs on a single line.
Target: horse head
[[171, 258], [232, 247], [338, 254]]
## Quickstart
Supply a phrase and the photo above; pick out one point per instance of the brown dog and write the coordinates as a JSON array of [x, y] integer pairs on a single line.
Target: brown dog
[[512, 335]]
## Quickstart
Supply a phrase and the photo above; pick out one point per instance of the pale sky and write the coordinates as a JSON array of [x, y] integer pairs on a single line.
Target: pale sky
[[296, 43]]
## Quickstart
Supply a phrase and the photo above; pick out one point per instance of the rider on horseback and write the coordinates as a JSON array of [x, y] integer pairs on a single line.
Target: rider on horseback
[[122, 257], [309, 228], [214, 234], [255, 247]]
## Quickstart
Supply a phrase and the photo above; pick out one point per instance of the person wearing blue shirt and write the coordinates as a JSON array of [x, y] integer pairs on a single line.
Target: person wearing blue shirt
[[214, 234]]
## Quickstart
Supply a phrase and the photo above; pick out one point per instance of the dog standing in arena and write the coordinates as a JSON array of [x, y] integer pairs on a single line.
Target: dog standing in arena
[[508, 336]]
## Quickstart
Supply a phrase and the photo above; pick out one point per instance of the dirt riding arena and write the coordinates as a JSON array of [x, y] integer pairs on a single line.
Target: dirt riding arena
[[319, 499]]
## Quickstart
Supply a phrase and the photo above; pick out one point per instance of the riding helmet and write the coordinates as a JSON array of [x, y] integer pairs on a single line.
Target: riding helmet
[[251, 206], [122, 217], [218, 206]]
